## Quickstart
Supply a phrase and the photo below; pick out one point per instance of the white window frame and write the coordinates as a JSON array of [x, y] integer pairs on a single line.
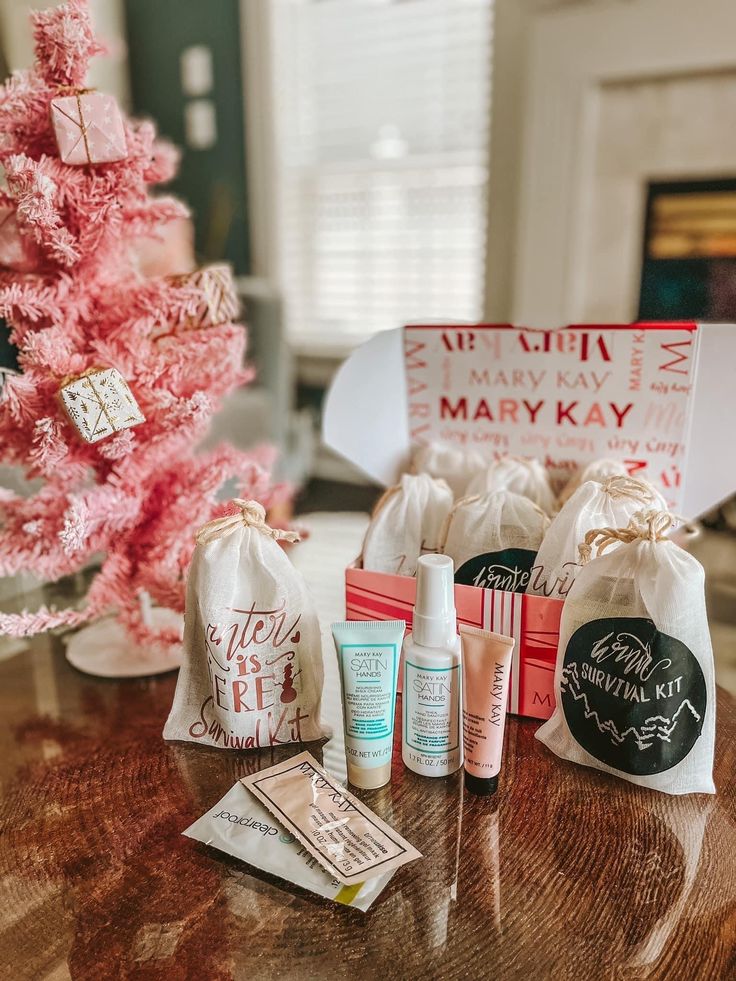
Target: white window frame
[[259, 81]]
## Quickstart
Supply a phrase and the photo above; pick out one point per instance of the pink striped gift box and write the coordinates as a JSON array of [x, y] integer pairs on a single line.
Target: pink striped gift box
[[533, 621]]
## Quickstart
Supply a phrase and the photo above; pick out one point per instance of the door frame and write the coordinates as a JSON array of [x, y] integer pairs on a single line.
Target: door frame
[[564, 54]]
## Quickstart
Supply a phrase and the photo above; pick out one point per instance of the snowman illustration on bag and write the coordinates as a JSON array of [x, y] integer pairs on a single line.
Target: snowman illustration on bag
[[634, 681], [252, 669]]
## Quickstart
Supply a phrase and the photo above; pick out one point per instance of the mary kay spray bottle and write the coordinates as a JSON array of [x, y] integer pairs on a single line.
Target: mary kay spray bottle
[[431, 701]]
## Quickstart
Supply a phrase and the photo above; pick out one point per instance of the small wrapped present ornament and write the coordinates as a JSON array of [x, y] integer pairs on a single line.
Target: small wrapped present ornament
[[99, 403], [219, 304], [9, 364], [14, 252], [88, 128]]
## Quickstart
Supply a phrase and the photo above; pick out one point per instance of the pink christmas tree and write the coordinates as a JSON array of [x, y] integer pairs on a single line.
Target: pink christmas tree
[[75, 302]]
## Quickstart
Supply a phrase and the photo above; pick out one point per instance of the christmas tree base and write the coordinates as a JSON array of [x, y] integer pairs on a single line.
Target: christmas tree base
[[105, 650]]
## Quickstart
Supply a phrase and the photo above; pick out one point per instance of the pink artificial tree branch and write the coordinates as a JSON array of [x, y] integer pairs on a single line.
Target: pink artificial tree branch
[[34, 193], [140, 495], [64, 43]]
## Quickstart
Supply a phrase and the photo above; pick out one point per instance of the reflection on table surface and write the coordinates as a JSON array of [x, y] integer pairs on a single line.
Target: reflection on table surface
[[567, 872]]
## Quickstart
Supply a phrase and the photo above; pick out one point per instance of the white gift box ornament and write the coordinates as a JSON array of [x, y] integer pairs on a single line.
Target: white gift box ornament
[[88, 128], [99, 403], [219, 303]]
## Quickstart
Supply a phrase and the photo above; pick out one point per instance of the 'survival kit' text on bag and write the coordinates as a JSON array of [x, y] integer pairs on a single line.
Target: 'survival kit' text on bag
[[634, 682]]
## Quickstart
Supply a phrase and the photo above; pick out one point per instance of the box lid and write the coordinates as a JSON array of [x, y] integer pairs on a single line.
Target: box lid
[[660, 397]]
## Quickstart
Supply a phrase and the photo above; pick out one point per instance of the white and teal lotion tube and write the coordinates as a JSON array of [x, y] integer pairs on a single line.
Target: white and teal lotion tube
[[368, 653]]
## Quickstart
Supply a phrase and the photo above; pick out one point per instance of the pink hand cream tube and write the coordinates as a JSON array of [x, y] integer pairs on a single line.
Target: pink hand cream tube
[[486, 660]]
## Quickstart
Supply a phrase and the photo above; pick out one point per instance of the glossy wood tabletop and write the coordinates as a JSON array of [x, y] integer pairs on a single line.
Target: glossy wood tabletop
[[567, 873]]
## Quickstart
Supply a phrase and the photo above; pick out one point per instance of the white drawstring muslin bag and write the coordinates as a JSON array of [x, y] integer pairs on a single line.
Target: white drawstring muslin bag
[[634, 681], [526, 477], [597, 470], [456, 465], [406, 523], [493, 540], [252, 671], [595, 504]]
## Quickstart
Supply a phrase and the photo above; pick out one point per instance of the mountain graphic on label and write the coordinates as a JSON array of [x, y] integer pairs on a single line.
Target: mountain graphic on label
[[633, 697], [653, 728]]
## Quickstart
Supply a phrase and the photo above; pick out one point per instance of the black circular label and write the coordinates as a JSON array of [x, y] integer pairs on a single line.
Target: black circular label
[[633, 697], [508, 569]]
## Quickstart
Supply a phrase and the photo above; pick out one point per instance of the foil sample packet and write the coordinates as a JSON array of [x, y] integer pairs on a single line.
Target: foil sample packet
[[350, 842], [238, 825]]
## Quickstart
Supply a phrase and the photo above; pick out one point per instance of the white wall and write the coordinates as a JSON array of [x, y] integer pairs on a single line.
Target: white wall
[[606, 96], [665, 128]]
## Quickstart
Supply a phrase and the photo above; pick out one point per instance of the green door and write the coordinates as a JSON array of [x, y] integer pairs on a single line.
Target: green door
[[212, 175]]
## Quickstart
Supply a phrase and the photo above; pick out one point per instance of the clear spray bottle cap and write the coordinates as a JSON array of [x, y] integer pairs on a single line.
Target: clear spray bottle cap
[[435, 621]]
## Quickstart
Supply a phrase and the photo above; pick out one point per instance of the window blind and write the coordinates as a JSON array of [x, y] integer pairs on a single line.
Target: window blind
[[382, 145]]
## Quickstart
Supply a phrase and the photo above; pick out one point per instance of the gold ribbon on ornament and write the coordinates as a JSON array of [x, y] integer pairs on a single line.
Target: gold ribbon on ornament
[[208, 280], [68, 379], [77, 93], [95, 370]]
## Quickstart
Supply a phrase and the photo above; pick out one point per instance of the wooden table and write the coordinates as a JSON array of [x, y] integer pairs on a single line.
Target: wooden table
[[567, 873]]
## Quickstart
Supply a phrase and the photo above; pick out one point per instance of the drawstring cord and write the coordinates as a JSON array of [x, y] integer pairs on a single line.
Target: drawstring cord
[[620, 486], [251, 515], [652, 526]]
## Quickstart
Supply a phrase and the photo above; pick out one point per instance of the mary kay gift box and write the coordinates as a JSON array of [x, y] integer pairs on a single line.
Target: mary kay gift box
[[660, 397]]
